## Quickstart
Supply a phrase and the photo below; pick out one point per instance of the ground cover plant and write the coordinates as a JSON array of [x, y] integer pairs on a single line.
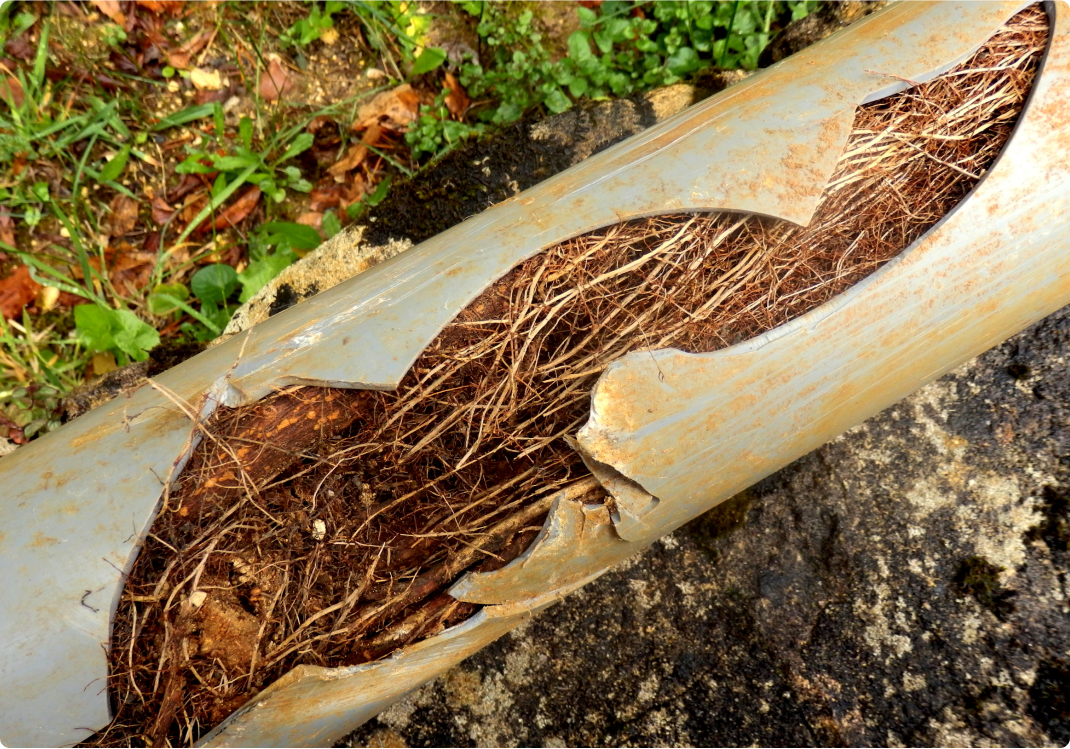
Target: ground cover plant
[[163, 160], [337, 547]]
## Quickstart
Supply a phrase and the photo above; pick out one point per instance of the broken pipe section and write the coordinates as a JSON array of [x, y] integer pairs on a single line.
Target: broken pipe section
[[670, 434]]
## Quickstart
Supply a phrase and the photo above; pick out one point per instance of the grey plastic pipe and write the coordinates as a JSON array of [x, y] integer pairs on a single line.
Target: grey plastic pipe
[[670, 434]]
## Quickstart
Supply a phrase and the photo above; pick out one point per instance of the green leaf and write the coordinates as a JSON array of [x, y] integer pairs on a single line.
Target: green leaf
[[380, 192], [428, 60], [683, 61], [213, 283], [579, 46], [115, 167], [286, 234], [233, 163], [163, 297], [245, 132], [557, 102], [301, 143], [331, 224], [577, 87], [183, 116], [94, 324], [220, 122], [260, 272], [133, 336]]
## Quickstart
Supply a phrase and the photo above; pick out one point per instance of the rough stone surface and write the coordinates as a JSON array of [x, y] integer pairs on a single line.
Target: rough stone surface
[[904, 585]]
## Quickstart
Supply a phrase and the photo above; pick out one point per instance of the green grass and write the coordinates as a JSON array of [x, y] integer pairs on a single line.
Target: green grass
[[70, 148]]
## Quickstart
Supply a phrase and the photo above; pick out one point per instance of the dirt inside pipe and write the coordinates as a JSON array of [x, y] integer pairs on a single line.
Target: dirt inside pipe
[[323, 526]]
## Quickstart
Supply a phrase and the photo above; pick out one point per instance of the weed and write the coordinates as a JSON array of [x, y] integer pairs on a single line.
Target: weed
[[312, 27]]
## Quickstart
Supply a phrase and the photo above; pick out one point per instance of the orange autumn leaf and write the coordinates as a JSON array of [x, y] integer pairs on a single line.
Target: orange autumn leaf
[[356, 153], [111, 9], [237, 211], [16, 291], [396, 109], [275, 81], [457, 100], [123, 215]]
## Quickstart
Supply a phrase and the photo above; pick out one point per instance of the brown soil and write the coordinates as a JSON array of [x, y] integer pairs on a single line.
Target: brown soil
[[322, 526]]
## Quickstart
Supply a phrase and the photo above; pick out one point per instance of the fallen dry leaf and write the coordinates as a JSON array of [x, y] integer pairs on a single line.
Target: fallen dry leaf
[[11, 90], [161, 211], [21, 47], [396, 109], [237, 211], [189, 183], [123, 215], [211, 97], [311, 218], [47, 298], [457, 100], [354, 156], [275, 81], [7, 229], [131, 270], [323, 197], [202, 79], [172, 7], [103, 362], [111, 9], [16, 291], [356, 153]]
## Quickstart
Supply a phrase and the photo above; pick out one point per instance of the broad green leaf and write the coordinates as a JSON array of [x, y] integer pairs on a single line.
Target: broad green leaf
[[557, 102], [261, 271], [428, 60], [115, 167], [683, 61], [245, 132], [288, 234], [94, 324], [134, 337], [232, 163], [301, 143], [162, 299], [213, 283], [331, 224], [183, 116]]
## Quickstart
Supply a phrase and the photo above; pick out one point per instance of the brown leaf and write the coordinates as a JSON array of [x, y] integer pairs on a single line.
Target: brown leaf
[[123, 215], [161, 211], [198, 43], [111, 9], [131, 270], [356, 153], [275, 81], [396, 109], [21, 48], [210, 97], [311, 218], [16, 291], [189, 183], [171, 7], [239, 209], [324, 197], [457, 100], [354, 156], [7, 229], [11, 90]]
